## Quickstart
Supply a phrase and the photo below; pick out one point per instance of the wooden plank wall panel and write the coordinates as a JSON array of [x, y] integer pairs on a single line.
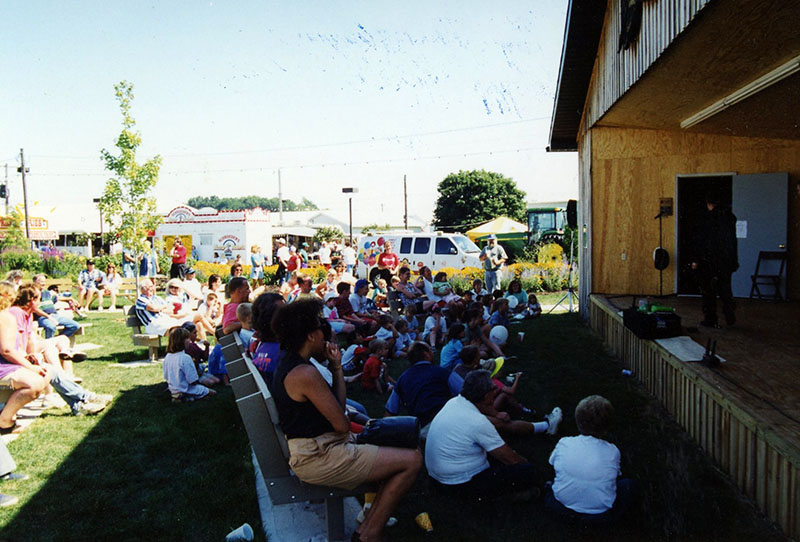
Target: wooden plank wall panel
[[616, 71], [625, 162], [585, 224], [760, 462]]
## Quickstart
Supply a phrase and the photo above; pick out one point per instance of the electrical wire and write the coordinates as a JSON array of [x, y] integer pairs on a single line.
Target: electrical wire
[[320, 145], [325, 164]]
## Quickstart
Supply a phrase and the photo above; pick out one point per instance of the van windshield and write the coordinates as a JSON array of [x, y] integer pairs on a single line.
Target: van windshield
[[465, 244]]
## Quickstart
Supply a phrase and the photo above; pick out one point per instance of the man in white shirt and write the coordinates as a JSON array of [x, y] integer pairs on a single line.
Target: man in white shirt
[[460, 440], [325, 255], [493, 257], [349, 257], [283, 255]]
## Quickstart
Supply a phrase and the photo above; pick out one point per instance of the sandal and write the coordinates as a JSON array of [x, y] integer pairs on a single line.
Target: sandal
[[16, 428]]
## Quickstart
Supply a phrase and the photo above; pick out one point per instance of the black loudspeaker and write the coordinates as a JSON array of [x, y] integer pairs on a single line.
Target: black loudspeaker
[[572, 213]]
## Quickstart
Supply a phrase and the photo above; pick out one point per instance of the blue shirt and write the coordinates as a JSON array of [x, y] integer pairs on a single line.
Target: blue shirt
[[449, 357], [422, 389]]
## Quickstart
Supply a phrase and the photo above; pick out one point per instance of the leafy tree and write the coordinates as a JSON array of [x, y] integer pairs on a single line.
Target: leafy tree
[[468, 198], [250, 202], [15, 233], [328, 233], [127, 202], [371, 228]]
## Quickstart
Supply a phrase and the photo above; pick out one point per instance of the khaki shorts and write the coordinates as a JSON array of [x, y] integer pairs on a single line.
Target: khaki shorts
[[332, 459]]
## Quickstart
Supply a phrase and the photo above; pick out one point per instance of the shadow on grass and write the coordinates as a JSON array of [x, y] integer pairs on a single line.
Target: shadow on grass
[[148, 470], [683, 495]]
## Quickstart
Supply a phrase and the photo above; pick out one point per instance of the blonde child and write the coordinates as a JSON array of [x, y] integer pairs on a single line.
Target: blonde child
[[180, 371], [244, 314]]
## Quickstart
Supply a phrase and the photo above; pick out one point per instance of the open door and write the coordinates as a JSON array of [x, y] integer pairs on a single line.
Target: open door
[[760, 206]]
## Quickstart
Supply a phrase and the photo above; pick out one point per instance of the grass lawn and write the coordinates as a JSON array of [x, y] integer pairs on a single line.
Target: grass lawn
[[144, 469], [147, 469]]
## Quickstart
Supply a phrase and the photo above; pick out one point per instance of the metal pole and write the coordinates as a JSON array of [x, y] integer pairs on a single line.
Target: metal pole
[[280, 198], [24, 194], [405, 203], [351, 219], [7, 190]]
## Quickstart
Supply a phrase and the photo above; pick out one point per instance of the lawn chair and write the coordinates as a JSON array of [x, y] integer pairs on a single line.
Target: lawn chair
[[771, 260]]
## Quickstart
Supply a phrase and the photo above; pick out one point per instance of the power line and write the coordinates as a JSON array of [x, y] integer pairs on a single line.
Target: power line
[[305, 166], [317, 146]]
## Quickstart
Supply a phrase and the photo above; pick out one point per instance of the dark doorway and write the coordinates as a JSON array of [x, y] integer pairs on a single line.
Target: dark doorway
[[691, 204]]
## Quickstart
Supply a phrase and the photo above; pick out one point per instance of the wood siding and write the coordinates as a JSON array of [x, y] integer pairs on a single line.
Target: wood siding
[[760, 461], [585, 224], [631, 169], [615, 72]]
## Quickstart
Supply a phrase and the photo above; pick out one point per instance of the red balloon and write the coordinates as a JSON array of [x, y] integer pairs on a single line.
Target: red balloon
[[371, 260], [380, 241]]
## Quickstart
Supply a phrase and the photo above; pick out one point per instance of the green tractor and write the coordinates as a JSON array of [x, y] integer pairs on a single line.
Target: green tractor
[[546, 223]]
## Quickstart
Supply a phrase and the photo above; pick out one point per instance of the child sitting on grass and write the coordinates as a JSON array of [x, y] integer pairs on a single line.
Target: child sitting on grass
[[354, 356], [375, 373], [404, 339], [180, 371], [534, 309], [435, 328], [449, 356], [387, 333], [410, 316], [499, 315], [587, 487]]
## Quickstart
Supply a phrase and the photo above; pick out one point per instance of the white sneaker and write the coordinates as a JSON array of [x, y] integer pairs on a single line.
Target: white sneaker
[[391, 522], [88, 408], [101, 398], [553, 419]]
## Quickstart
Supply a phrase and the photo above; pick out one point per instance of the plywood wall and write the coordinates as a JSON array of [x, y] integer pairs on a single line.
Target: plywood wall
[[631, 169]]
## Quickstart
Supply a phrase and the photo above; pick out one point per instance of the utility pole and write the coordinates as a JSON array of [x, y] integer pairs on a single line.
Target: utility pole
[[405, 203], [7, 190], [22, 169], [280, 198]]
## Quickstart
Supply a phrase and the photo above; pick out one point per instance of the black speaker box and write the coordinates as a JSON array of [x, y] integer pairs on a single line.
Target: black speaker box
[[655, 325]]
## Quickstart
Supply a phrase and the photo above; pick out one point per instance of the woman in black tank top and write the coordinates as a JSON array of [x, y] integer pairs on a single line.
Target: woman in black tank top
[[311, 412]]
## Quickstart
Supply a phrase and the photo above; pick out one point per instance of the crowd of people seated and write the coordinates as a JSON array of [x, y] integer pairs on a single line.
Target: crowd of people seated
[[309, 341]]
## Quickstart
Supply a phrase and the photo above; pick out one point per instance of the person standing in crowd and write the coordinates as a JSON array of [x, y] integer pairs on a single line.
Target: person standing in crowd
[[493, 257], [148, 262], [178, 255], [325, 255], [128, 263], [257, 266], [349, 257], [282, 255], [387, 262], [303, 253], [716, 258]]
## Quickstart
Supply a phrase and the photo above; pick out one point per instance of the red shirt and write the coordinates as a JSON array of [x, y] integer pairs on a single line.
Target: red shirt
[[294, 262], [388, 259], [179, 254], [372, 370]]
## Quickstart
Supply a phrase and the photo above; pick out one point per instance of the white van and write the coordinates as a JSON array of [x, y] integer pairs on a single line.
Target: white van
[[417, 249]]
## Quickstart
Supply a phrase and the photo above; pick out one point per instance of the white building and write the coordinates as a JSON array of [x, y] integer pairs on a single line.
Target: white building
[[230, 233]]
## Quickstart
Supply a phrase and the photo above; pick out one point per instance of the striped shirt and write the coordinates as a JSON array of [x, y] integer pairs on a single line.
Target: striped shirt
[[144, 315]]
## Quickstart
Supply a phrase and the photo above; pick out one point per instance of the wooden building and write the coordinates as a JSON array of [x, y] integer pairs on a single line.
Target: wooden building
[[664, 101]]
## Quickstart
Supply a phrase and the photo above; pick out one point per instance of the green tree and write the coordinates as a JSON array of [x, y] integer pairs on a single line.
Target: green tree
[[328, 233], [15, 233], [127, 202], [250, 202], [371, 228], [468, 198]]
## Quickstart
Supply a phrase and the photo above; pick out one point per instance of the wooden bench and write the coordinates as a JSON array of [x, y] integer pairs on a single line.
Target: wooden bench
[[152, 342], [60, 328], [260, 416], [127, 289]]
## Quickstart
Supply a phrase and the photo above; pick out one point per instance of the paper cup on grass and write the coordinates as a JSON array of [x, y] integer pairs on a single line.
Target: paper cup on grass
[[424, 522], [520, 336], [242, 534]]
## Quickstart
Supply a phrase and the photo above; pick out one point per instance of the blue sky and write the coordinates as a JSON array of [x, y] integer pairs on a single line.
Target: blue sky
[[332, 94]]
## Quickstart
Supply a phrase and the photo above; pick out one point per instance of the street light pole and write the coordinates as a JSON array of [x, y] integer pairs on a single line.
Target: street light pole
[[350, 191]]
